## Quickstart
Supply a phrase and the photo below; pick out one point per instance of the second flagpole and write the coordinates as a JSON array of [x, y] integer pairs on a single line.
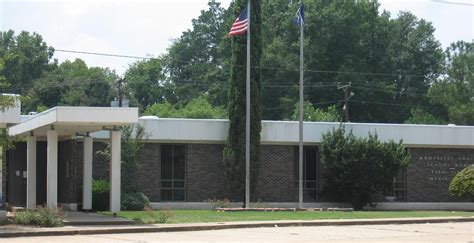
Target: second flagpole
[[247, 117], [301, 113]]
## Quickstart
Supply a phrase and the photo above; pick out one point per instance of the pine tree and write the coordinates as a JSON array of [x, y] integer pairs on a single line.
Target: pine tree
[[234, 152]]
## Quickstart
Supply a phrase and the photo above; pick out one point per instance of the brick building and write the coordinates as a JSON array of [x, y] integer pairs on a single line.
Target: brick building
[[183, 164]]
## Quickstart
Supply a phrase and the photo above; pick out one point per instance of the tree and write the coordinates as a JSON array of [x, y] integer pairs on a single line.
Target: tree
[[133, 137], [25, 58], [146, 82], [462, 184], [198, 108], [132, 198], [162, 110], [388, 60], [357, 168], [315, 114], [391, 62], [197, 62], [75, 84], [455, 91], [234, 151], [419, 116]]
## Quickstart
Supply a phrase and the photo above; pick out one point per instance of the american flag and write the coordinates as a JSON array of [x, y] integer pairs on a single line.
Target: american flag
[[240, 25]]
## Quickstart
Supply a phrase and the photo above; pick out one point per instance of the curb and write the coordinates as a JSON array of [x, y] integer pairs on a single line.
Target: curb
[[232, 225]]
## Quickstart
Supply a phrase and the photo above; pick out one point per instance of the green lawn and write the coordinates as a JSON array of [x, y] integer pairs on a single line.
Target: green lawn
[[195, 216]]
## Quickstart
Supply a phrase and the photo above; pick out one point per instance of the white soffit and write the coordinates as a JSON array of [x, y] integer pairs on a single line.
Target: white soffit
[[71, 120]]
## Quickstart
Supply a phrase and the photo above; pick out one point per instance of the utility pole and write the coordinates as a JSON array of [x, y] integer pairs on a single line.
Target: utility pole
[[347, 96], [120, 81]]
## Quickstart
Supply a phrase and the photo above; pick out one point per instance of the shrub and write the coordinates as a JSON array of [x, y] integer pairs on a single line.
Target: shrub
[[159, 217], [218, 203], [134, 201], [258, 204], [100, 195], [462, 184], [357, 168], [42, 217]]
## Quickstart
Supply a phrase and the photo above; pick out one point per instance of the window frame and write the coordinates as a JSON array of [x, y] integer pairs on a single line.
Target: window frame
[[173, 188]]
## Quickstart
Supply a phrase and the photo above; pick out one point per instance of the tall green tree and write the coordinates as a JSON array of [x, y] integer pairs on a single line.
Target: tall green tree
[[146, 83], [25, 57], [74, 84], [197, 62], [5, 101], [234, 152], [390, 60], [454, 93], [387, 60]]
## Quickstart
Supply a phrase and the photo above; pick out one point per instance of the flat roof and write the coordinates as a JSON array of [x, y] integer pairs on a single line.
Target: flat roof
[[69, 120], [169, 130]]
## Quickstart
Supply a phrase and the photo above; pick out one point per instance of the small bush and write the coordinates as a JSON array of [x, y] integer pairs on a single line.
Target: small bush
[[462, 184], [218, 203], [42, 217], [159, 217], [134, 201], [100, 195], [258, 204]]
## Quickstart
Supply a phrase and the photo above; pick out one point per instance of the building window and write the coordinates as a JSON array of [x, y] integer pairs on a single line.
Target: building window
[[310, 172], [173, 168], [399, 186]]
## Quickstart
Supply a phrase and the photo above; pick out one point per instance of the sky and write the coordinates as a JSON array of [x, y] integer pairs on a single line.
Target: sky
[[147, 28]]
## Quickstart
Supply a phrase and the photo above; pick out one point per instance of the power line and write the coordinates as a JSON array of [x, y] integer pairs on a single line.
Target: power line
[[104, 54], [258, 67], [453, 3], [387, 104], [314, 104]]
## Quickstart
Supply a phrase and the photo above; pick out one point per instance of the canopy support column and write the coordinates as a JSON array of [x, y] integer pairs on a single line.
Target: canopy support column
[[87, 174], [31, 172], [52, 169], [115, 159]]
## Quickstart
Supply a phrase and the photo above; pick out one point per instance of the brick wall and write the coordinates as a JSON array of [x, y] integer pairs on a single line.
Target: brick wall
[[276, 180], [431, 171], [428, 175], [150, 172], [205, 173]]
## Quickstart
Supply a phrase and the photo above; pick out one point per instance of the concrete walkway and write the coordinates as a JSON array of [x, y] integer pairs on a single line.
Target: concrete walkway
[[81, 218], [17, 231]]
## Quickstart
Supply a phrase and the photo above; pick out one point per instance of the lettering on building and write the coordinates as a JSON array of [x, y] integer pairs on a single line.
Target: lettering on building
[[443, 168]]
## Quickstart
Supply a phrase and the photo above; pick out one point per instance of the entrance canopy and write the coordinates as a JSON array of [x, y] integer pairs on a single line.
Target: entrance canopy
[[66, 122], [70, 121]]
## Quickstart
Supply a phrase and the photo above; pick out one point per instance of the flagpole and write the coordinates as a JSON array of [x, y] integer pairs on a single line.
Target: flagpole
[[247, 116], [301, 113]]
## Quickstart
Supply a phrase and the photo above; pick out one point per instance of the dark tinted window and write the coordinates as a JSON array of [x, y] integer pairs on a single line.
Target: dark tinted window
[[173, 171]]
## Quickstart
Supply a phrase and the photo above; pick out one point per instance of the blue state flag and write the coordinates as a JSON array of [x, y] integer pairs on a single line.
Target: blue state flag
[[299, 18]]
